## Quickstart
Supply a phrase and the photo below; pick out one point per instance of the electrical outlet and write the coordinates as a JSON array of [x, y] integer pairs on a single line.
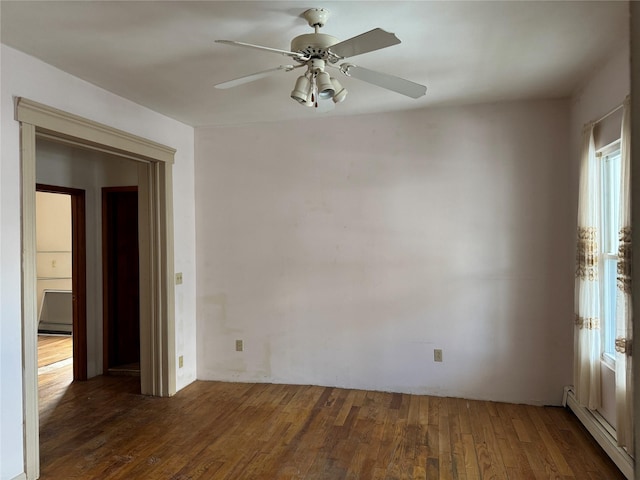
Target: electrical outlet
[[180, 361], [179, 278], [239, 346], [437, 355]]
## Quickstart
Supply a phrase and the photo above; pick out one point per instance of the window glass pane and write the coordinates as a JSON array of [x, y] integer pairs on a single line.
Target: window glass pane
[[610, 209], [609, 305], [610, 202]]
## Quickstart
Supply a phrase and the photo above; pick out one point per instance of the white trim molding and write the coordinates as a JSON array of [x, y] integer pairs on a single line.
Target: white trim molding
[[49, 119], [157, 312], [600, 433], [29, 303]]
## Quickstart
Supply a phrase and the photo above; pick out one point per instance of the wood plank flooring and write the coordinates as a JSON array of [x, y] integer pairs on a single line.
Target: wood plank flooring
[[104, 429], [54, 348]]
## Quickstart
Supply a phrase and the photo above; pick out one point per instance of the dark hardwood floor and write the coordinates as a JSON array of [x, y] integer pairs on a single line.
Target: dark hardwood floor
[[104, 429]]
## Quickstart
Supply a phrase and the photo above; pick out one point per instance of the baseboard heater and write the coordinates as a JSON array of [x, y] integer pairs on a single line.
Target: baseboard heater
[[56, 312], [596, 427]]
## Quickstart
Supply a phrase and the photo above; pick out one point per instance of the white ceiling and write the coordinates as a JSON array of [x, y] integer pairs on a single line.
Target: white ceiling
[[162, 54]]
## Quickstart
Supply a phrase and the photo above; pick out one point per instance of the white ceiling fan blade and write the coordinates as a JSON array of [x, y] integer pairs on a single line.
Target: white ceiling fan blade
[[367, 42], [384, 80], [253, 77], [264, 49]]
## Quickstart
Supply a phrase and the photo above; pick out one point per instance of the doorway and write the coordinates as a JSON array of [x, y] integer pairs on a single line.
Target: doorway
[[158, 368], [121, 281], [61, 269]]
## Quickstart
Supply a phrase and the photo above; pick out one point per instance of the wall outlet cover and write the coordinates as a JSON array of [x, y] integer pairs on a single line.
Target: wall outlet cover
[[437, 355]]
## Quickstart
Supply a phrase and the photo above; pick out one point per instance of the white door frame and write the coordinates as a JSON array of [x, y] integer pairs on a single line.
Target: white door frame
[[157, 311]]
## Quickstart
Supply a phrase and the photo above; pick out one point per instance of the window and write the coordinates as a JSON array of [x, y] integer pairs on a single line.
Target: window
[[609, 214]]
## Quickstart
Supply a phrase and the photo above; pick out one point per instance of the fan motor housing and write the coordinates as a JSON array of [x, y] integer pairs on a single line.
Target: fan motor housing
[[313, 45]]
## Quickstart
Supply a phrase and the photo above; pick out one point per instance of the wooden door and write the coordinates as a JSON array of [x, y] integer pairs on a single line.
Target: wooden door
[[121, 284]]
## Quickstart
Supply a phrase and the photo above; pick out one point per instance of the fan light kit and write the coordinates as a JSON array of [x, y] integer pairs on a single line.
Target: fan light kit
[[318, 52]]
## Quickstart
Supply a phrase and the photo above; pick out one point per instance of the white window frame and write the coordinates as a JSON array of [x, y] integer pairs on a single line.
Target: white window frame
[[608, 252]]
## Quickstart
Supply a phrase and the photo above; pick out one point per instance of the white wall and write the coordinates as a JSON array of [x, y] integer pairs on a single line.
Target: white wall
[[26, 76], [605, 89], [53, 243], [344, 250]]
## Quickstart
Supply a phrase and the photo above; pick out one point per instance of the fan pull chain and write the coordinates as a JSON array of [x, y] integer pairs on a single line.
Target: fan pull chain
[[313, 90]]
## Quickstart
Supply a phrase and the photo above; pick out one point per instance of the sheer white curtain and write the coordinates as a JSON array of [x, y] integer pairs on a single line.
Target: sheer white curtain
[[624, 382], [587, 288]]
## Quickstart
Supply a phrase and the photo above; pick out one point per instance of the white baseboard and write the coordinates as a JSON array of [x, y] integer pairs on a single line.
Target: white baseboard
[[605, 439], [22, 476]]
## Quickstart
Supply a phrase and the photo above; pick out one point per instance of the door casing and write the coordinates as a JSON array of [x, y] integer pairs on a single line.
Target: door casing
[[157, 312]]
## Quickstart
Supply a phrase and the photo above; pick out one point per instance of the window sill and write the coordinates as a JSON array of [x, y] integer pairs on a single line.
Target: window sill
[[609, 361]]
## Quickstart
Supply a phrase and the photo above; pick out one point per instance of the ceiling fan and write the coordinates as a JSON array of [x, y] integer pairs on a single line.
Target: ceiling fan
[[318, 52]]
